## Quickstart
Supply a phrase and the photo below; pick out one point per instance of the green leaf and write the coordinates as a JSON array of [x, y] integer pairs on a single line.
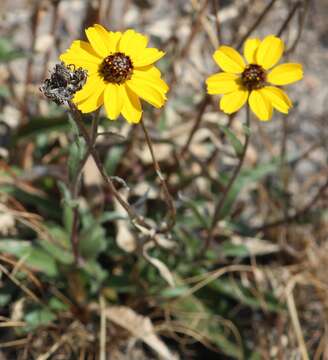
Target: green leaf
[[57, 252], [235, 142], [246, 130], [7, 51], [174, 292], [121, 284], [95, 275], [4, 92], [77, 151], [41, 261], [4, 299], [30, 255], [68, 206], [113, 158], [192, 313], [92, 241], [56, 305], [39, 317], [41, 125], [234, 289], [236, 250], [246, 177], [195, 206], [111, 216], [44, 204], [15, 247]]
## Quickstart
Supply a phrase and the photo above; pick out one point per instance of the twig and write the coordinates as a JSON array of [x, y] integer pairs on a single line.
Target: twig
[[298, 214], [212, 276], [194, 30], [102, 337], [202, 108], [216, 8], [302, 18], [26, 290], [256, 23], [296, 323], [167, 195], [34, 25], [53, 27], [288, 19], [14, 343]]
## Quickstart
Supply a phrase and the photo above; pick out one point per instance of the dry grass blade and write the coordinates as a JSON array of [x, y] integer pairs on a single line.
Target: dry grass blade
[[295, 319], [141, 328], [159, 265], [26, 290]]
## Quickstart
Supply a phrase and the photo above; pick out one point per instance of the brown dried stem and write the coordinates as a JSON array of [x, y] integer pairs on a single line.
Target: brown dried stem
[[299, 214]]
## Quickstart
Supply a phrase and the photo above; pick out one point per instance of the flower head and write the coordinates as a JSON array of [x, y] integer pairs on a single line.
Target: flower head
[[63, 83], [252, 81], [120, 71]]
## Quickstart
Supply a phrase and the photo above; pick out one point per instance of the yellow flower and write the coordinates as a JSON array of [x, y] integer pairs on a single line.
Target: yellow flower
[[120, 71], [252, 81]]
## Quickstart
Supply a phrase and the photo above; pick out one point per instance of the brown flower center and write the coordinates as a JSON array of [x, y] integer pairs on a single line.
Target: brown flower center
[[253, 77], [116, 68]]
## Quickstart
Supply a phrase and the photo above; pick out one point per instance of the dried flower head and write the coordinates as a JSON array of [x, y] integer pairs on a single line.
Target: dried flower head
[[240, 81], [121, 70], [63, 83]]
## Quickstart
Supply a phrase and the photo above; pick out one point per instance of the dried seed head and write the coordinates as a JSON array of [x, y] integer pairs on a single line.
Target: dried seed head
[[63, 83]]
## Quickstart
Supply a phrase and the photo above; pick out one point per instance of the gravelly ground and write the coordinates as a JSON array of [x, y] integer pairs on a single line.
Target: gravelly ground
[[169, 23]]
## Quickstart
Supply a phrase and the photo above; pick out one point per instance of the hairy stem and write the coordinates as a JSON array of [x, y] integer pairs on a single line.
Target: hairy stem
[[221, 201], [167, 195], [134, 217], [75, 188]]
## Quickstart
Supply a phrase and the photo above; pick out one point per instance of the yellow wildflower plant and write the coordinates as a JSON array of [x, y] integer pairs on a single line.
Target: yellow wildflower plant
[[252, 81], [120, 70]]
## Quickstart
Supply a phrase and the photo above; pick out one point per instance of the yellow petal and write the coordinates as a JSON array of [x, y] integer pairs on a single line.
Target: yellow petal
[[96, 40], [222, 83], [93, 82], [152, 76], [269, 51], [233, 101], [250, 47], [150, 70], [260, 105], [110, 39], [285, 74], [131, 109], [94, 101], [79, 44], [82, 55], [132, 43], [229, 60], [147, 57], [113, 100], [278, 98], [146, 91]]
